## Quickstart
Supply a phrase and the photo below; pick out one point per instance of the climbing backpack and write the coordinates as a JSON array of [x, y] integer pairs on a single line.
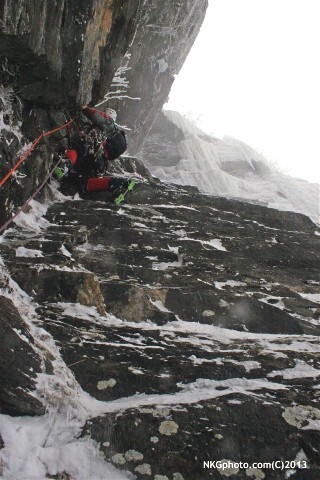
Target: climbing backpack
[[88, 147], [115, 144]]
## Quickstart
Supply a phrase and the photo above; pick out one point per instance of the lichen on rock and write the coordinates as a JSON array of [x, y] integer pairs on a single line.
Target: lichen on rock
[[168, 428]]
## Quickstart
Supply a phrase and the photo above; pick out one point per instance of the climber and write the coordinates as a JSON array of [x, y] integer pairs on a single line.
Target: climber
[[99, 142], [91, 147]]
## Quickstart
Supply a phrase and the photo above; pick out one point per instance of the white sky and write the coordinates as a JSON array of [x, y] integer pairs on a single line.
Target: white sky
[[254, 74]]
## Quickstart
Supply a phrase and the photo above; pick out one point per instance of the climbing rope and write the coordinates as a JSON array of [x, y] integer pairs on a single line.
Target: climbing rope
[[8, 222], [19, 162], [29, 150]]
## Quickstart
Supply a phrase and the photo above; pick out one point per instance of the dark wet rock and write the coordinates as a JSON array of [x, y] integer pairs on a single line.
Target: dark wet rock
[[258, 317], [202, 359], [305, 474], [24, 126], [60, 476], [50, 76], [65, 286], [79, 51], [20, 364], [310, 442], [132, 166], [182, 312], [175, 440], [301, 306], [164, 37]]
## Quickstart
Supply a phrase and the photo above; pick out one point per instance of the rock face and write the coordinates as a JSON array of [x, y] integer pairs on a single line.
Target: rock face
[[176, 150], [19, 364], [209, 347], [64, 50], [176, 329], [55, 56], [165, 34], [60, 55], [68, 51]]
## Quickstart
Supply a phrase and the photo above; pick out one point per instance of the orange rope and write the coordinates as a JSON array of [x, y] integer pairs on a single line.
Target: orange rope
[[20, 209], [29, 150]]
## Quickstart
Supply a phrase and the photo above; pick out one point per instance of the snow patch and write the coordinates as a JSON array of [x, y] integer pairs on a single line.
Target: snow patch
[[229, 283], [159, 305], [33, 220], [313, 297], [300, 370], [215, 243], [28, 252], [35, 446]]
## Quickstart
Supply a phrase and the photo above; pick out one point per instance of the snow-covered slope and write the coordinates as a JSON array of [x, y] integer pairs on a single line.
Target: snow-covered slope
[[177, 326], [179, 152]]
